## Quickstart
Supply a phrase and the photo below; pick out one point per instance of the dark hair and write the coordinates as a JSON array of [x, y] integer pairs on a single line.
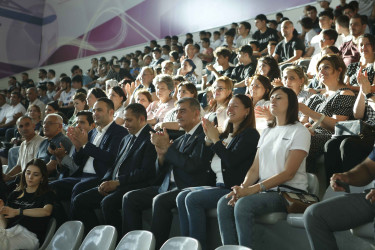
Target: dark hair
[[120, 92], [137, 110], [77, 78], [51, 71], [336, 62], [292, 111], [107, 101], [88, 115], [228, 85], [222, 51], [43, 71], [82, 97], [279, 14], [348, 6], [248, 122], [153, 42], [74, 68], [190, 87], [354, 5], [274, 67], [66, 79], [167, 37], [343, 21], [42, 87], [43, 186], [175, 55], [370, 38], [310, 8], [206, 40], [246, 49], [331, 33], [18, 94], [25, 74], [167, 47], [191, 63], [265, 81], [97, 92], [230, 32], [247, 25], [217, 33], [255, 42], [326, 13], [175, 38], [193, 103], [54, 105], [361, 17], [307, 23]]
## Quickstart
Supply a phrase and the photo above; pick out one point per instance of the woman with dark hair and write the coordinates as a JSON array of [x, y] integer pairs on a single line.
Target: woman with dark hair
[[222, 93], [36, 116], [79, 102], [175, 58], [117, 95], [322, 111], [268, 67], [280, 159], [93, 95], [366, 46], [27, 211], [232, 153], [51, 108], [187, 70], [259, 89]]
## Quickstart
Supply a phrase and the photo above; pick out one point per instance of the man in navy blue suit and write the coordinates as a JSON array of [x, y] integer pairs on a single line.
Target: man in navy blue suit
[[180, 164], [134, 168], [95, 151]]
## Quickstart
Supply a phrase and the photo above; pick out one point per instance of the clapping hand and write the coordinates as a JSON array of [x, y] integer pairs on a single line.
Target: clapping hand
[[210, 130], [364, 83]]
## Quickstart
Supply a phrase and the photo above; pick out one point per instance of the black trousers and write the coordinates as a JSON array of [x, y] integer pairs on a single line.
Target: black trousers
[[85, 203], [343, 153], [136, 201]]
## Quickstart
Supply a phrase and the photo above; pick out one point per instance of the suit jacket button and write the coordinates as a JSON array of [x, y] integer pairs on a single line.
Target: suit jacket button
[[208, 171], [223, 169]]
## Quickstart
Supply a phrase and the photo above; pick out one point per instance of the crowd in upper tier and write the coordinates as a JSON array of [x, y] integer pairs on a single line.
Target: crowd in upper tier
[[220, 122]]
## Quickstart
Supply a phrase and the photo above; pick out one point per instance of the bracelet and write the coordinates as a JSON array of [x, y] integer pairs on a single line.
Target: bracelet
[[21, 211], [369, 95], [262, 187]]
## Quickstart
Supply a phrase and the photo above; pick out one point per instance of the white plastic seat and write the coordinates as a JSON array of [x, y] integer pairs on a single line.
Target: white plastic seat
[[137, 239], [273, 218], [232, 247], [100, 238], [51, 228], [68, 236], [181, 243]]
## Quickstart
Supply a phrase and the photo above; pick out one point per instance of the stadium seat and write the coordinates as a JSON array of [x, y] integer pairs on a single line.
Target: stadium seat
[[50, 232], [138, 239], [181, 243], [100, 238], [68, 236]]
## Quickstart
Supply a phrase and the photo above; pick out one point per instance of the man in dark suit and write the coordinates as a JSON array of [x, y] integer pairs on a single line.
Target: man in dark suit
[[134, 168], [94, 152], [179, 165]]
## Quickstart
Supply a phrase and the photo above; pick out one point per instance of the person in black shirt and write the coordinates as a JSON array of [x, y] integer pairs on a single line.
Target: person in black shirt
[[27, 211], [244, 70], [222, 56], [264, 34]]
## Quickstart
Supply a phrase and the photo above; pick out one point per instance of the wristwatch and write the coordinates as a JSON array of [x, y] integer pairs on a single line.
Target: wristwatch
[[369, 95]]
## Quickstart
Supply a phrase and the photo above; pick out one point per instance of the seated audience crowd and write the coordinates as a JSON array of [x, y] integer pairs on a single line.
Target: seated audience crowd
[[217, 123]]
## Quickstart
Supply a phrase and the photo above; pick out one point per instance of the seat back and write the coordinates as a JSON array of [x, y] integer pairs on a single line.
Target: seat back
[[232, 247], [100, 238], [68, 236], [312, 184], [138, 239], [181, 243], [51, 228]]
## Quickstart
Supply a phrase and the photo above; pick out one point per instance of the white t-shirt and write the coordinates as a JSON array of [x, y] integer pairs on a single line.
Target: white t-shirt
[[315, 42], [216, 161], [12, 110], [66, 98], [274, 146]]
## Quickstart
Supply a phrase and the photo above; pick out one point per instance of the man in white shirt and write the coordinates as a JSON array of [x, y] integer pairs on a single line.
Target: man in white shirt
[[66, 97], [191, 54], [3, 106], [244, 35], [28, 149], [12, 113], [217, 41]]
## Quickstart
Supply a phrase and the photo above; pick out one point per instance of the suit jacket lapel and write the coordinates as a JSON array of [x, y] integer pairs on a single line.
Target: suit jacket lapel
[[192, 138]]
